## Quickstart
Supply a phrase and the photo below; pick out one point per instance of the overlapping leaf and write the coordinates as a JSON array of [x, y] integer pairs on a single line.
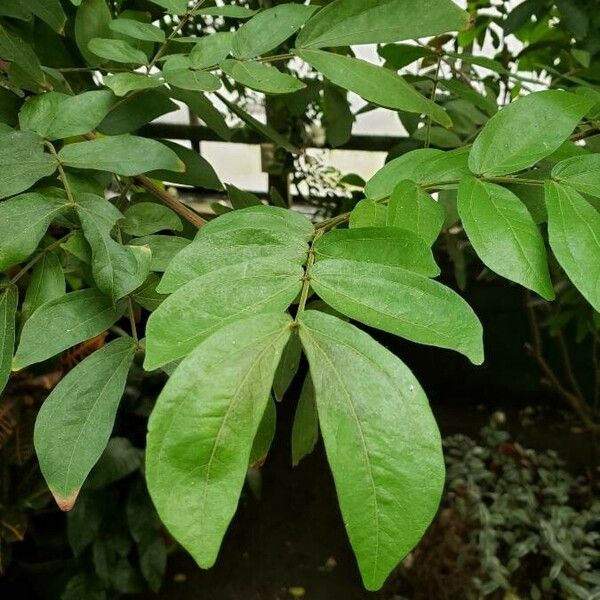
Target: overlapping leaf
[[23, 161], [64, 322], [381, 245], [400, 302], [117, 269], [198, 452], [377, 85], [23, 222], [207, 303], [223, 248]]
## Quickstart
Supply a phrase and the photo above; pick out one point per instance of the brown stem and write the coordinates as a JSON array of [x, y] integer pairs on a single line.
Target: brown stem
[[577, 404], [166, 198]]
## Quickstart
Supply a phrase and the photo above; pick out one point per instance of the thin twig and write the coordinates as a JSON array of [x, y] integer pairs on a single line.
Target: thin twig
[[184, 19], [436, 79], [579, 407]]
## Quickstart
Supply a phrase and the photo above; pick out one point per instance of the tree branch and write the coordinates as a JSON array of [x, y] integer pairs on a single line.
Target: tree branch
[[168, 199]]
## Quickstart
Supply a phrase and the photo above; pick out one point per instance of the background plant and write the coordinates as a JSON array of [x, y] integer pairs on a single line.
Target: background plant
[[514, 523], [92, 242]]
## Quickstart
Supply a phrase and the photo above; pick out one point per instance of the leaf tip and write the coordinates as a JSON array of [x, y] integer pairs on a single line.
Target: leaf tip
[[66, 503]]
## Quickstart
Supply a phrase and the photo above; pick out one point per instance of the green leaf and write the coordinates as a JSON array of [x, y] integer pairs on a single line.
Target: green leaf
[[381, 245], [375, 84], [198, 171], [46, 283], [414, 209], [262, 217], [264, 436], [121, 154], [23, 161], [76, 420], [117, 269], [581, 173], [207, 303], [368, 213], [382, 442], [198, 452], [9, 297], [269, 28], [240, 198], [504, 234], [136, 110], [145, 218], [187, 79], [343, 23], [261, 77], [211, 49], [118, 460], [174, 7], [163, 248], [305, 430], [14, 49], [92, 21], [263, 129], [49, 11], [287, 368], [123, 83], [519, 135], [64, 322], [117, 51], [338, 118], [230, 11], [574, 232], [23, 223], [57, 116], [147, 296], [203, 108], [425, 166], [400, 302], [138, 30], [224, 248]]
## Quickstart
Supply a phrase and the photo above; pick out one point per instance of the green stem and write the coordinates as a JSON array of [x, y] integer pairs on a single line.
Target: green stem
[[131, 313], [39, 255], [61, 173], [344, 217], [436, 80], [306, 279], [184, 19]]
